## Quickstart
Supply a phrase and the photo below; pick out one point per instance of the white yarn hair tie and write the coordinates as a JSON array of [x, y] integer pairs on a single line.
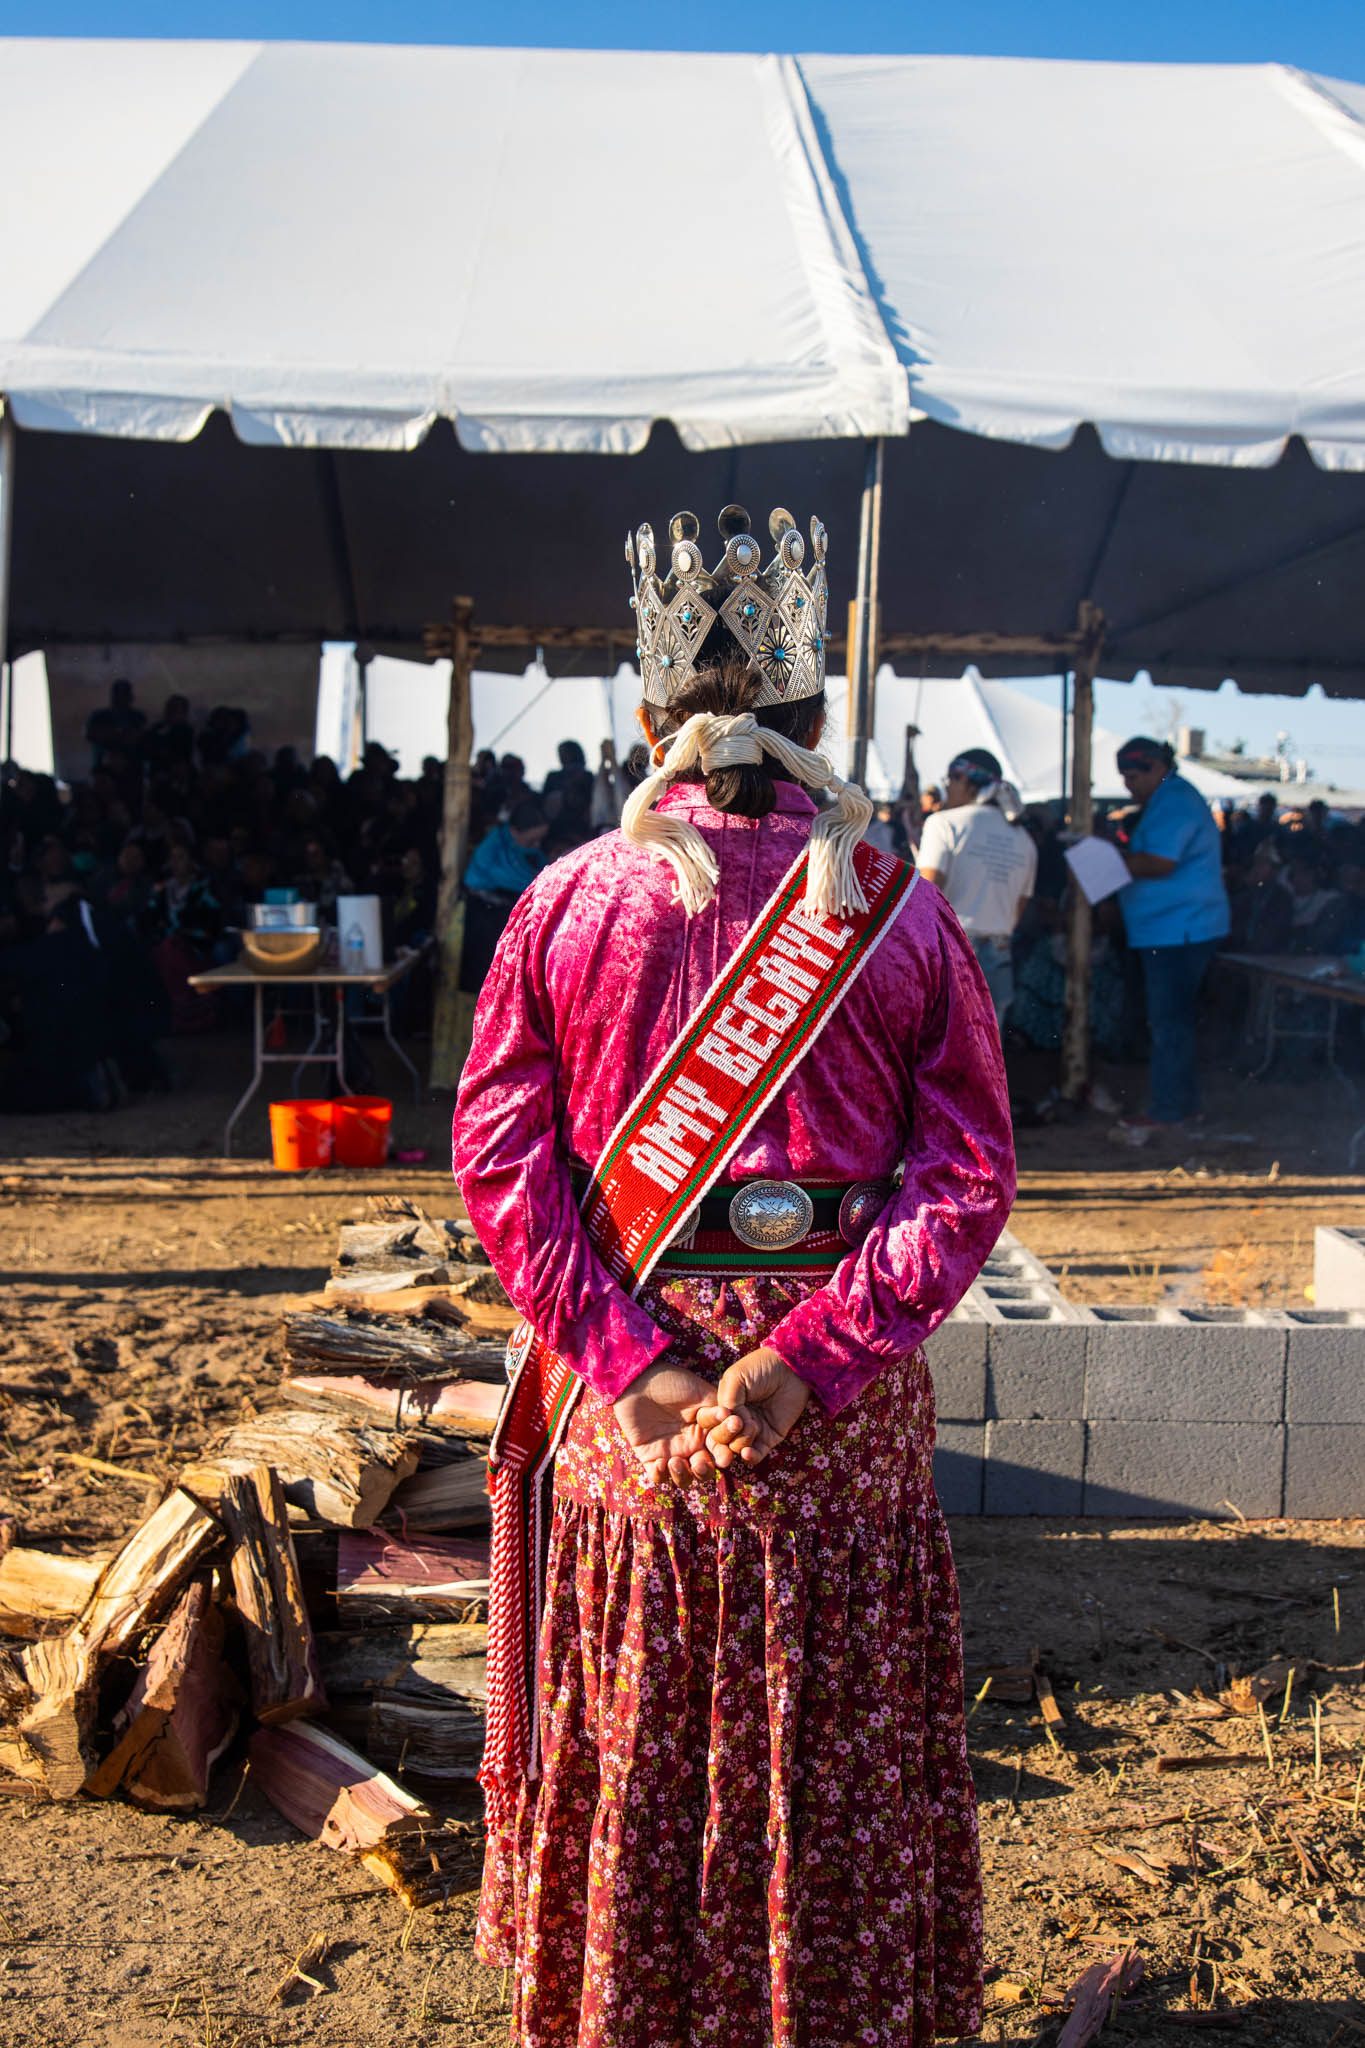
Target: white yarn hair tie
[[1006, 799], [710, 741]]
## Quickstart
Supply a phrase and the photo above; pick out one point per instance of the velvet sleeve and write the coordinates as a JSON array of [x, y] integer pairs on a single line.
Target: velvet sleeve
[[514, 1175], [933, 1237]]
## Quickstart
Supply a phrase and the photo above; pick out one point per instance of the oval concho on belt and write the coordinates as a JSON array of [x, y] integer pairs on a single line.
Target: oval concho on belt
[[771, 1215], [860, 1208]]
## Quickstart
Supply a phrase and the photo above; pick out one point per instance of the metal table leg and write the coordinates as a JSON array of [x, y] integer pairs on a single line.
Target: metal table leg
[[340, 992], [397, 1048], [1268, 997], [258, 1073], [314, 1042]]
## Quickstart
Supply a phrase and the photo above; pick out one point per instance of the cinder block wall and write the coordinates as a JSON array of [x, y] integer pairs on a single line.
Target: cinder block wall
[[1046, 1408]]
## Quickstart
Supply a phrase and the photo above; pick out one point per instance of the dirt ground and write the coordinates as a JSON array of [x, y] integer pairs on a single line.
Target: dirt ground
[[144, 1277]]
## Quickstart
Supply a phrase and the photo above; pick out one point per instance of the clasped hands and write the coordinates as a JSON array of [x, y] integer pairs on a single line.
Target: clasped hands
[[678, 1423]]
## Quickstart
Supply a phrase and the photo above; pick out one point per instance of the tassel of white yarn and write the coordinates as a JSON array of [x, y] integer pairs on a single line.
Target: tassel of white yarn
[[711, 741], [670, 839]]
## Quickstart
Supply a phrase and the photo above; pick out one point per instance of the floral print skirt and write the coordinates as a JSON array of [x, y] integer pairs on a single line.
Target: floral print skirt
[[755, 1825]]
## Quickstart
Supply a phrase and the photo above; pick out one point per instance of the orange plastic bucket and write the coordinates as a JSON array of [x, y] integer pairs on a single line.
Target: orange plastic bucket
[[301, 1135], [361, 1124]]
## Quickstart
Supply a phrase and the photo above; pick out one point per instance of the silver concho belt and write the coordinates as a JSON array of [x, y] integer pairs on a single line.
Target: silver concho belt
[[771, 1215], [774, 1215]]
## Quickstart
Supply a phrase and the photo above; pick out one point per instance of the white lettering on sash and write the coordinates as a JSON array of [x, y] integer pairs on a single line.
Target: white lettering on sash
[[664, 1172], [727, 1059], [785, 974], [661, 1151], [780, 1011]]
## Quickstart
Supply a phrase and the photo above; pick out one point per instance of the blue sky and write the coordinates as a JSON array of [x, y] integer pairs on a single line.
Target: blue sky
[[1319, 35]]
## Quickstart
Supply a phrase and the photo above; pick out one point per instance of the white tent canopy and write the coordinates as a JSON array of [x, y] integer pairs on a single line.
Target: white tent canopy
[[1174, 253], [339, 244]]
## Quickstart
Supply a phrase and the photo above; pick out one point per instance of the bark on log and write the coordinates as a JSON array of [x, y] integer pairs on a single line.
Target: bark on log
[[453, 1496], [339, 1471], [427, 1661], [37, 1588], [268, 1591], [16, 1694], [413, 1737], [362, 1341], [391, 1401], [382, 1579], [180, 1717], [134, 1590]]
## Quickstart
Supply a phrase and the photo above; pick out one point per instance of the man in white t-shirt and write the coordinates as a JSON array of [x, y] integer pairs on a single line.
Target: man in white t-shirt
[[984, 861]]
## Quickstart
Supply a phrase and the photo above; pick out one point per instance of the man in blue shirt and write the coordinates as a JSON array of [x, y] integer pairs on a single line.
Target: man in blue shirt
[[1175, 911]]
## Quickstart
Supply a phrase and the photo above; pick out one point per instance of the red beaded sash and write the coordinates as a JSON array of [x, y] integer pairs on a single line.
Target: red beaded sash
[[758, 1021]]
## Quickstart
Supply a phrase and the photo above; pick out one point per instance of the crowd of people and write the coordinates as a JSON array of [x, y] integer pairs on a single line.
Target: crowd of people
[[119, 888]]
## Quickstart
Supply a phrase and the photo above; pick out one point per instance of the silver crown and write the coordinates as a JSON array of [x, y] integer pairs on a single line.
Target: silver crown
[[776, 614]]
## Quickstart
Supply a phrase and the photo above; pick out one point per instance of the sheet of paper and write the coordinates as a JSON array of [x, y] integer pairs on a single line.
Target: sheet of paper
[[1098, 866]]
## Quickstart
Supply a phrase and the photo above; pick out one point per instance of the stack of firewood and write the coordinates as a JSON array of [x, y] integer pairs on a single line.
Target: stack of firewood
[[322, 1576]]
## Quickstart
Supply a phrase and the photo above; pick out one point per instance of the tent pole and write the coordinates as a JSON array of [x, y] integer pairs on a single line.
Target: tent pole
[[6, 533], [856, 768], [874, 604], [1076, 1028], [453, 1014], [1066, 700]]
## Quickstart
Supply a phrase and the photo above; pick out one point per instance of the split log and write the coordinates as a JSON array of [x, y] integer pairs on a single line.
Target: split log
[[134, 1590], [180, 1717], [423, 1347], [413, 1698], [390, 1401], [452, 1496], [333, 1794], [415, 1738], [329, 1791], [37, 1587], [268, 1591], [399, 1208], [380, 1578], [337, 1470], [372, 1288], [432, 1662]]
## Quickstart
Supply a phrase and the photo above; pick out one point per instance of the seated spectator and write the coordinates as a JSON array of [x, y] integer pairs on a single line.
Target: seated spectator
[[1318, 913], [1262, 911], [322, 878], [129, 894], [187, 917], [503, 864]]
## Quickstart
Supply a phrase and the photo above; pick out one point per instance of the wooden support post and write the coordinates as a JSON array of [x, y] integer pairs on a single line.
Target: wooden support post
[[454, 1013], [1076, 1028], [859, 613]]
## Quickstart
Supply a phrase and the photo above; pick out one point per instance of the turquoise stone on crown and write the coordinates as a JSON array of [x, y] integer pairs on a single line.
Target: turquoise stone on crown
[[775, 612]]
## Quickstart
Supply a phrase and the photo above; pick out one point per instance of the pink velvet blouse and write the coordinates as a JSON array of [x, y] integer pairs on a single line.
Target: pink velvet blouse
[[595, 976]]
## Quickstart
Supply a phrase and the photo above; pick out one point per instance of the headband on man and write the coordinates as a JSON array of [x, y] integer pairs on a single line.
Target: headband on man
[[976, 766], [1141, 752]]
